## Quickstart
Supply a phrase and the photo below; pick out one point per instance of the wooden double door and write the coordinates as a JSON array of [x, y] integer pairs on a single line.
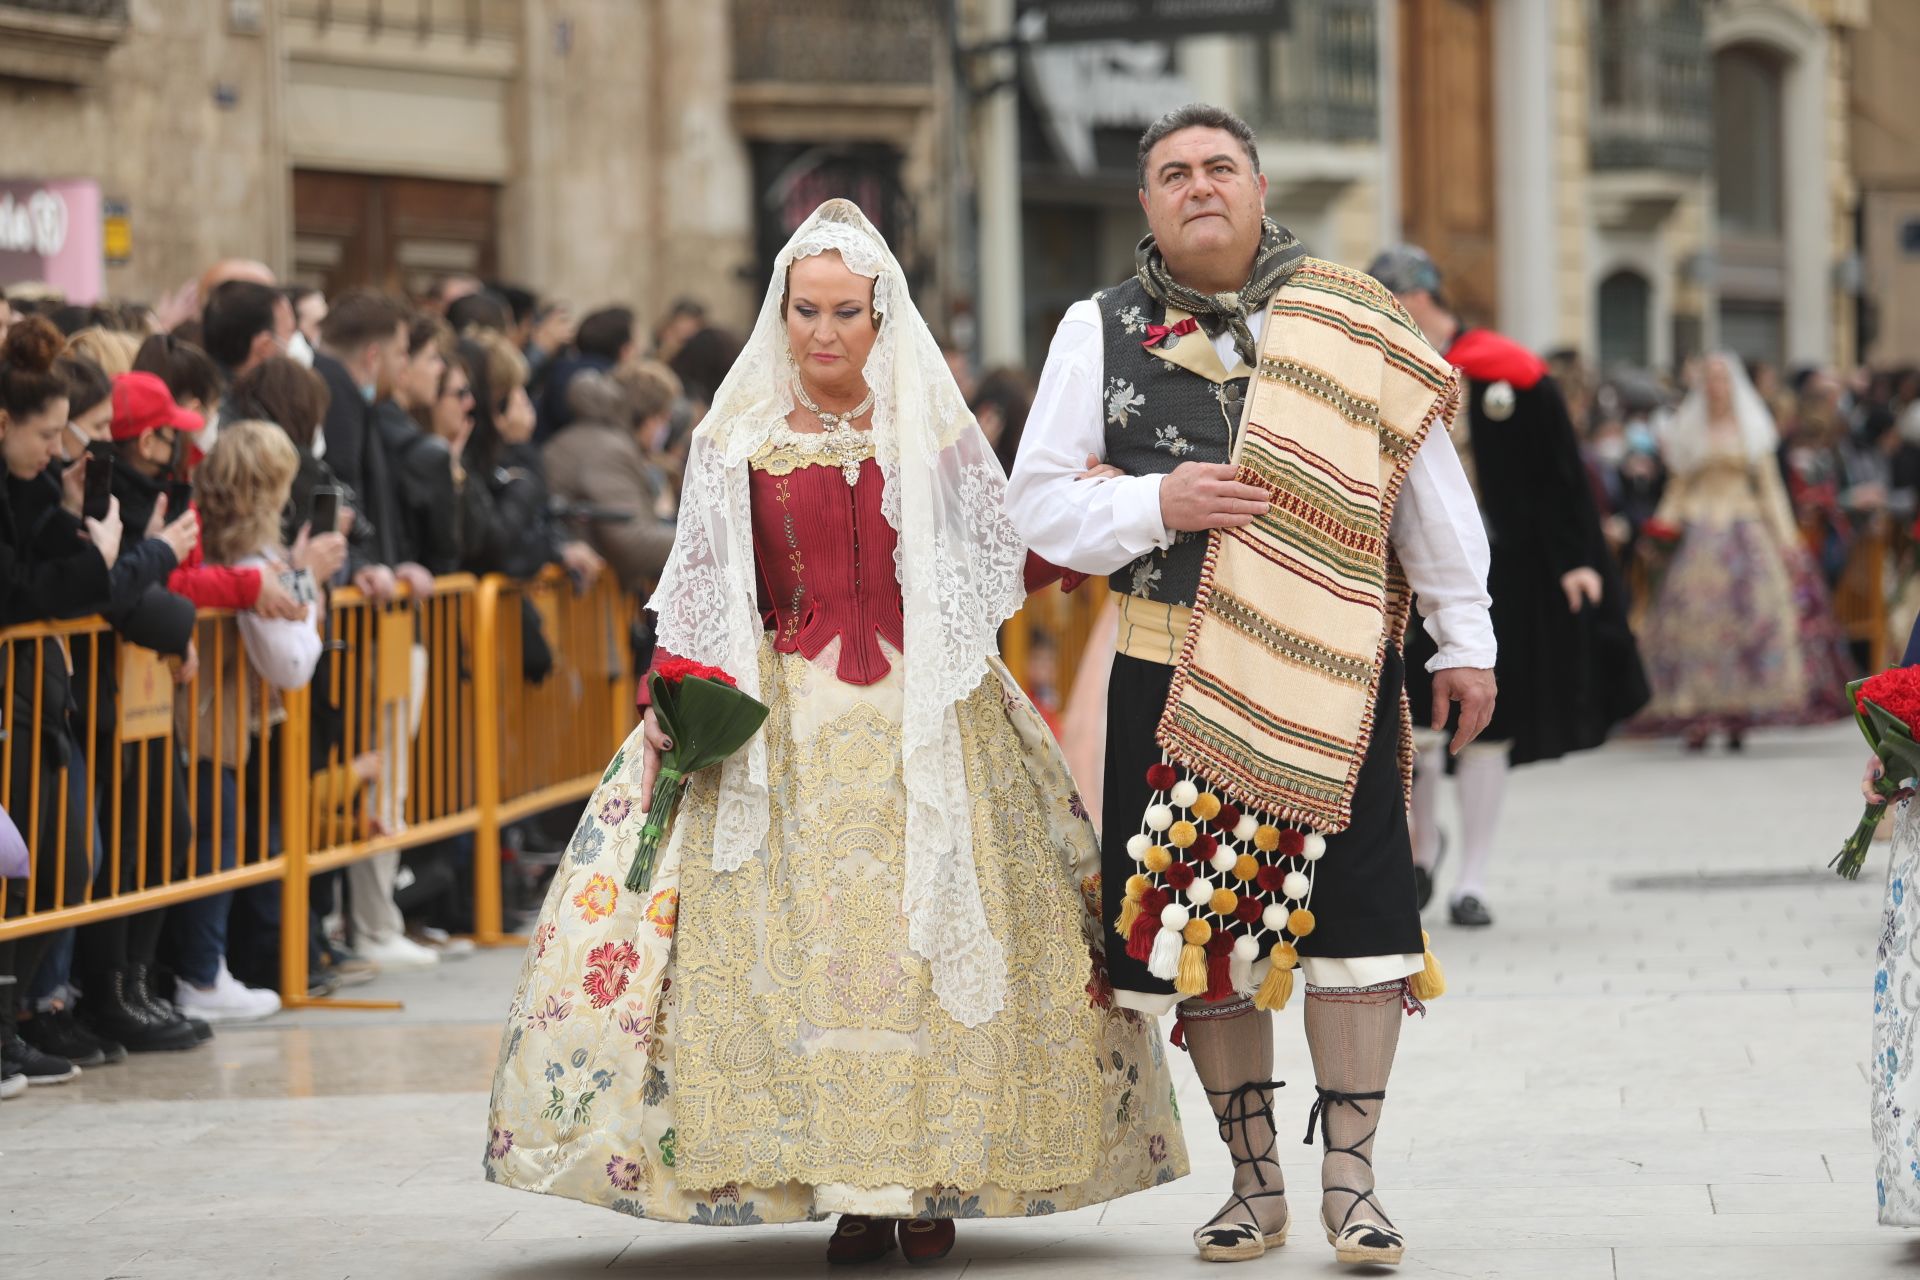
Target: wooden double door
[[392, 233], [1447, 171]]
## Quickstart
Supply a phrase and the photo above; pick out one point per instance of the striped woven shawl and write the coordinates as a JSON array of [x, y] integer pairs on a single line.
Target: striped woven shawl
[[1273, 694]]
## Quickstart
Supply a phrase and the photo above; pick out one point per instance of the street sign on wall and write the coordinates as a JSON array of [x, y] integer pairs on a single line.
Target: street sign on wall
[[1064, 20], [50, 233]]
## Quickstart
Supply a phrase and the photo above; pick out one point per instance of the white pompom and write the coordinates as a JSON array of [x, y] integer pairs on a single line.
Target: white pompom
[[1159, 817], [1184, 794], [1314, 848], [1245, 948], [1274, 917], [1223, 860], [1296, 886], [1200, 892], [1137, 846], [1164, 960], [1244, 829], [1174, 916]]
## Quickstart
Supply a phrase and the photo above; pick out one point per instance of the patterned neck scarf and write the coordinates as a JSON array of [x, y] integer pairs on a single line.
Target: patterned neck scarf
[[1279, 254]]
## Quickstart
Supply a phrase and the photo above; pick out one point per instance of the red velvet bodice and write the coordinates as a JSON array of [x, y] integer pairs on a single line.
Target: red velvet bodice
[[824, 556]]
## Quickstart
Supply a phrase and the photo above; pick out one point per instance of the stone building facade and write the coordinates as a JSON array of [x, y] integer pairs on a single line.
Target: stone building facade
[[636, 150]]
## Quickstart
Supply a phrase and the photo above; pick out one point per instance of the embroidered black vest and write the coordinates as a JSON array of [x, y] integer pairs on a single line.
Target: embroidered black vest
[[1159, 415]]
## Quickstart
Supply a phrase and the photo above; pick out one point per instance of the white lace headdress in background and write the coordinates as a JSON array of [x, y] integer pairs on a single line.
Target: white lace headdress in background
[[959, 565]]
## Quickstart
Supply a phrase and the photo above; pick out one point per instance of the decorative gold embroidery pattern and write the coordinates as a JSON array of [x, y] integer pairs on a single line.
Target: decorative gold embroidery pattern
[[810, 1048], [787, 450]]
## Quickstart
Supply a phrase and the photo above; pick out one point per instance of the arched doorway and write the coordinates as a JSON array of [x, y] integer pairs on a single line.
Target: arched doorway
[[1626, 307]]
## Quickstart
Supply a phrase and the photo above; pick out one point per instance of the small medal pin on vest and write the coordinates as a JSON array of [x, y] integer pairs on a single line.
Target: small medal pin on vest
[[1497, 404]]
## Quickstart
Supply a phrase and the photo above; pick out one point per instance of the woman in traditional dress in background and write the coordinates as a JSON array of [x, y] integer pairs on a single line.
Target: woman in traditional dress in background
[[867, 976], [1739, 632]]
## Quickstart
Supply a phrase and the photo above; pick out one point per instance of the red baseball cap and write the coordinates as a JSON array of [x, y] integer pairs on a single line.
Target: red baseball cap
[[142, 403]]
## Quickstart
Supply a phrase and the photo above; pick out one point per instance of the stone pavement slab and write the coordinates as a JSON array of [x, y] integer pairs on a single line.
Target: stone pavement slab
[[1651, 1067]]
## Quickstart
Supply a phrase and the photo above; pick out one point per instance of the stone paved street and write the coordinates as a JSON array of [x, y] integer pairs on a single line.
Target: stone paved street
[[1651, 1068]]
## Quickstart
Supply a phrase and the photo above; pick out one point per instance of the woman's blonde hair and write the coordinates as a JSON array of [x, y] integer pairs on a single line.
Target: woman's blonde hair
[[242, 488], [112, 351], [506, 367]]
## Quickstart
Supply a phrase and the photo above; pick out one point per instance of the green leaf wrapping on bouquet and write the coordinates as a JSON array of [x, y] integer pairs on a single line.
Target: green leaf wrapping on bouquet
[[706, 721], [1899, 755]]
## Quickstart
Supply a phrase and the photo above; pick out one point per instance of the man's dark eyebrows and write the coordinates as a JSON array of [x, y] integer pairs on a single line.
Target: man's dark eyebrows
[[1222, 158], [1173, 166]]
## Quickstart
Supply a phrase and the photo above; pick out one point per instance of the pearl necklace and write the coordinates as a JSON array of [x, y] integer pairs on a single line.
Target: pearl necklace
[[840, 440]]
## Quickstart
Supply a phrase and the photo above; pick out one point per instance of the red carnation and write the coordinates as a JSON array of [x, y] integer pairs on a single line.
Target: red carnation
[[1249, 910], [1180, 875], [1154, 901], [1292, 842], [1227, 819], [1161, 777], [678, 669], [1270, 878]]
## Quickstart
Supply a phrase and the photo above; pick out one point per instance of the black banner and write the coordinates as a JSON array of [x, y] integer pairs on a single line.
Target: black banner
[[1069, 20]]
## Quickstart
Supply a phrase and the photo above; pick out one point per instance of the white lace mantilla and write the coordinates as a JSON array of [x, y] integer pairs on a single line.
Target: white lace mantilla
[[959, 564]]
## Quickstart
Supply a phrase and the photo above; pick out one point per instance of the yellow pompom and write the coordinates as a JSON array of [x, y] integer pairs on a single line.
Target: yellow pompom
[[1182, 834], [1266, 837], [1224, 901], [1284, 956], [1197, 932], [1192, 978], [1276, 989], [1206, 807], [1129, 912], [1300, 923], [1137, 886], [1246, 867], [1429, 983], [1157, 858]]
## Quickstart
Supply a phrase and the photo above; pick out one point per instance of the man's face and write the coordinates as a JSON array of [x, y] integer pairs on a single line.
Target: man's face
[[1202, 198], [392, 362], [420, 377]]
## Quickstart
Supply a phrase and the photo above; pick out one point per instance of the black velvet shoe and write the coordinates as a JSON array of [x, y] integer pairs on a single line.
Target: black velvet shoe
[[57, 1033], [1469, 912]]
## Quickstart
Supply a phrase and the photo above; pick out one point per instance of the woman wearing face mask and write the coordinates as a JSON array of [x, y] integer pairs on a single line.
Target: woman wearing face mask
[[54, 563], [866, 977]]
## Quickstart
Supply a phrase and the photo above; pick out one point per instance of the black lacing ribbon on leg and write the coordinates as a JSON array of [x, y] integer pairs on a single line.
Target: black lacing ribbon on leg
[[1238, 1112], [1329, 1099]]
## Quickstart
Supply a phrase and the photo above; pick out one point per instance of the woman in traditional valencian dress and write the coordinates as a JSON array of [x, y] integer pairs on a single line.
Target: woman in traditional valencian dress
[[1728, 642], [867, 975]]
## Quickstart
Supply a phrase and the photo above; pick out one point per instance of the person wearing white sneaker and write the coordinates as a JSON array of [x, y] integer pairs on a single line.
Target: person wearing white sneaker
[[227, 1000], [12, 1086], [396, 951]]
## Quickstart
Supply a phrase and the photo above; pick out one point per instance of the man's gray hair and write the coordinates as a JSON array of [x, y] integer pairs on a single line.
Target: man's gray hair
[[1196, 115]]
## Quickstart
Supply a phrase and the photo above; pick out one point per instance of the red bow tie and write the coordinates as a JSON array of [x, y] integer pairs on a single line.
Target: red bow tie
[[1156, 333]]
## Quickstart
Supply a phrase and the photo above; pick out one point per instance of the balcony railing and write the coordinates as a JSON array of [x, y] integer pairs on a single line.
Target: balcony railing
[[1652, 86], [100, 10], [835, 41], [469, 19], [1322, 76]]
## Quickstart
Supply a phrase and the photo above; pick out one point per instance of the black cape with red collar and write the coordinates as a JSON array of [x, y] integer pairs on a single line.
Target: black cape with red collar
[[1565, 679]]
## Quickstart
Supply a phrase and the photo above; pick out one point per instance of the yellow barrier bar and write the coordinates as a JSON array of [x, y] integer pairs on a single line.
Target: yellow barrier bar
[[487, 923]]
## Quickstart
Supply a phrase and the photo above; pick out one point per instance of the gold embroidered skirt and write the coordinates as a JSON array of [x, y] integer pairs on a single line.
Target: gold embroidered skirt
[[761, 1046]]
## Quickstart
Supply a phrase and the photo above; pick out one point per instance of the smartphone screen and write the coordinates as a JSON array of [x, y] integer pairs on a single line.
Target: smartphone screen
[[99, 491], [179, 498], [325, 513]]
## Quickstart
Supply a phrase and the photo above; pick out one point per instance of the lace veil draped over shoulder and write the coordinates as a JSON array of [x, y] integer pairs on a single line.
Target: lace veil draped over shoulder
[[959, 565]]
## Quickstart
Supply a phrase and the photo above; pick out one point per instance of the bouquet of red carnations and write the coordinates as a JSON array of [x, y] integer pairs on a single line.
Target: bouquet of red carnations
[[1887, 709], [706, 718]]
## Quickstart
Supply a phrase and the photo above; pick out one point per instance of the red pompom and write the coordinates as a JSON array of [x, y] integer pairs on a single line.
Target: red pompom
[[1154, 901], [1220, 944], [1180, 875], [1270, 878], [1227, 819], [1161, 777], [1205, 846], [1249, 910], [1292, 842]]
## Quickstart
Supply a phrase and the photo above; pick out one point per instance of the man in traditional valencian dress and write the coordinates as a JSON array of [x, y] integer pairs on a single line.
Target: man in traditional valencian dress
[[1569, 669], [1264, 506]]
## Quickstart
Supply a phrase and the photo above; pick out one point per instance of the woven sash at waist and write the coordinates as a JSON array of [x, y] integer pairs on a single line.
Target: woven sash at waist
[[1151, 631]]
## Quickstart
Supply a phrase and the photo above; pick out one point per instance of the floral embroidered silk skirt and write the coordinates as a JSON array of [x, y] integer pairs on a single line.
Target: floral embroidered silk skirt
[[761, 1045], [1896, 1003]]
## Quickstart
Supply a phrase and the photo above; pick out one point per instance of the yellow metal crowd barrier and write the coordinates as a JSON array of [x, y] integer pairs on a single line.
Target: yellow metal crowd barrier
[[420, 723]]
